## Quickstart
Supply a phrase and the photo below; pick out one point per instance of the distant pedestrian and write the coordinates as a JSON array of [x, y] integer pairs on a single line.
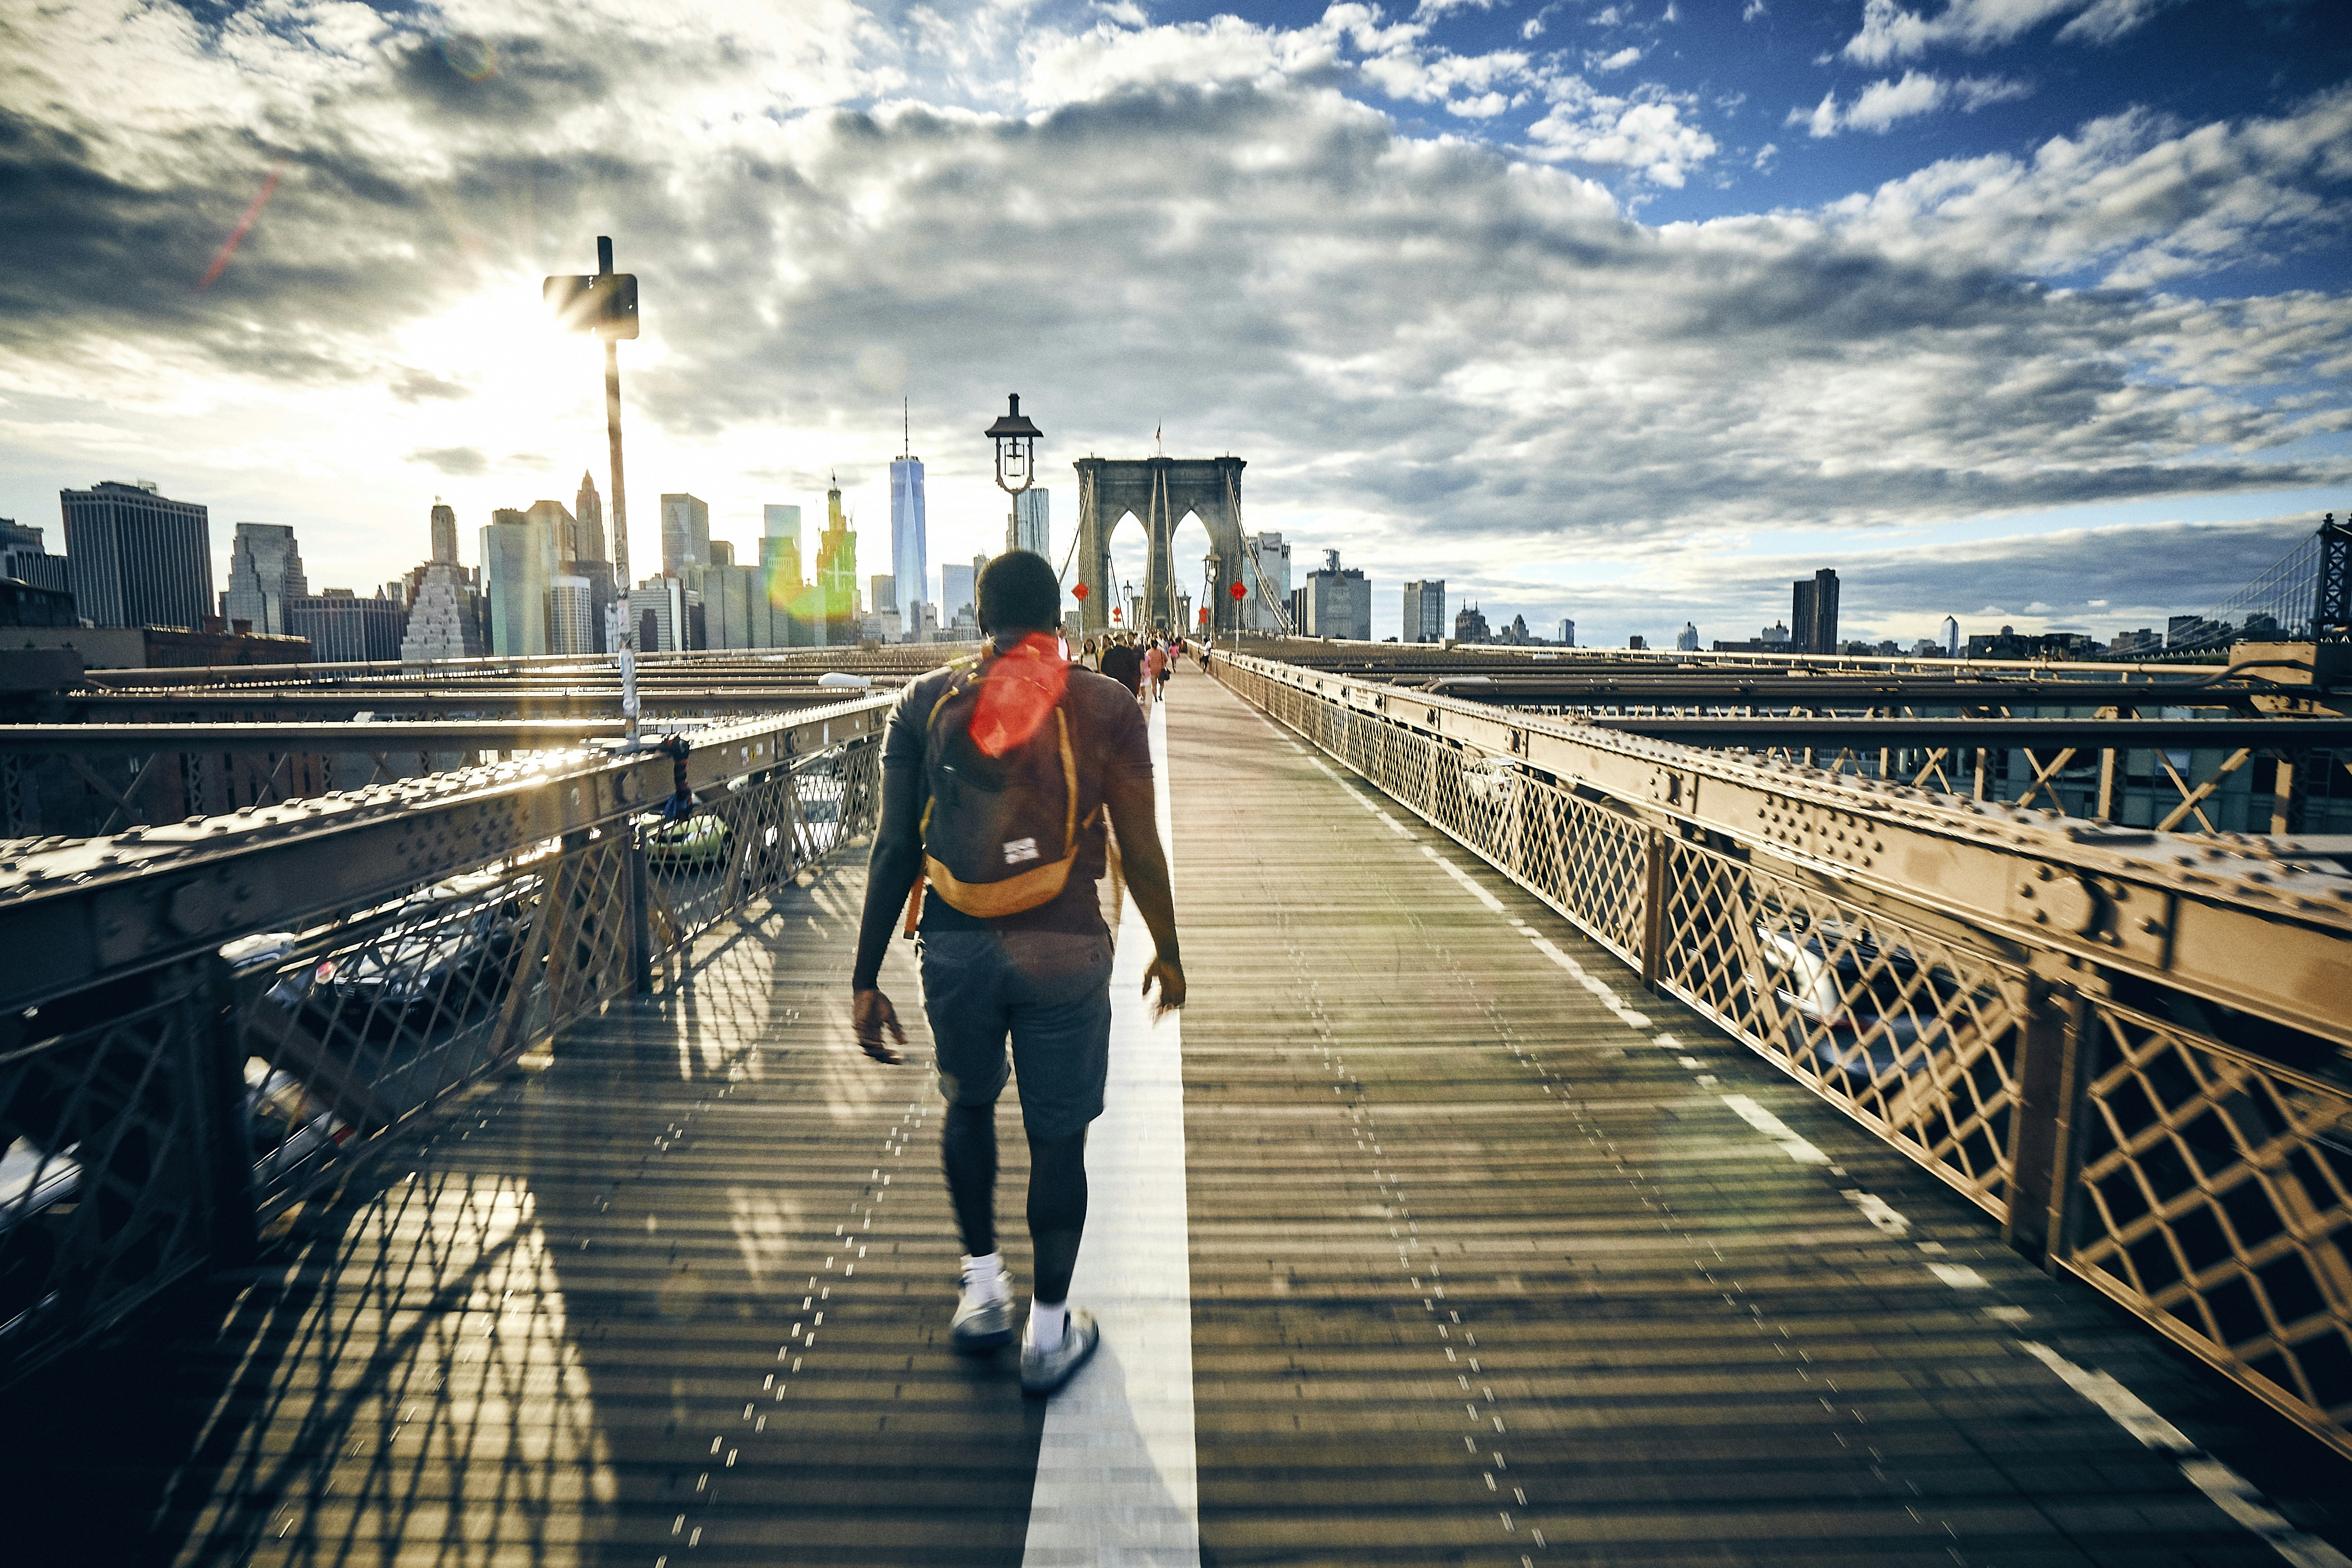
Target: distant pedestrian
[[1121, 664], [996, 781], [1155, 669]]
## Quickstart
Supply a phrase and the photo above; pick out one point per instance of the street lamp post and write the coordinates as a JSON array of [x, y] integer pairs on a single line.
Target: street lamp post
[[1016, 461], [606, 304]]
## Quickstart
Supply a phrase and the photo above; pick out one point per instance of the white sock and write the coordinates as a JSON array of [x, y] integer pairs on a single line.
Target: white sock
[[984, 1276], [1046, 1323]]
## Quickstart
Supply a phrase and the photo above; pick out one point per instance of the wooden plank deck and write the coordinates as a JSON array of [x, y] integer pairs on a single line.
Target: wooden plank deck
[[1481, 1272]]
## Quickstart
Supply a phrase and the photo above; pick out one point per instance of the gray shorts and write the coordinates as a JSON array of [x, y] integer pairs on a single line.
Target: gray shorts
[[1050, 991]]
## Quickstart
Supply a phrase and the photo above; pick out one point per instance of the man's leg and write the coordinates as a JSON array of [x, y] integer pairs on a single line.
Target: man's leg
[[967, 1151], [1060, 1015], [961, 971], [1058, 1221]]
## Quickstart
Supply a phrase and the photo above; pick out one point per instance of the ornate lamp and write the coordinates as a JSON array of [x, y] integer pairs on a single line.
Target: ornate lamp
[[1016, 458]]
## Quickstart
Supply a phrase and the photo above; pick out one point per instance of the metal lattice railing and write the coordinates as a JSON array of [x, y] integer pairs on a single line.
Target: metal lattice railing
[[1913, 1035], [2215, 1198], [2204, 1186], [149, 1123]]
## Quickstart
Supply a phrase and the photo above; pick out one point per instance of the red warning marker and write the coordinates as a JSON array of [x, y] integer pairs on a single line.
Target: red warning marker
[[1238, 591], [1079, 592]]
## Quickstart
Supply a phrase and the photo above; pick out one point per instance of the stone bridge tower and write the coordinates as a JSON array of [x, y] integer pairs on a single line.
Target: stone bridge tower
[[1160, 492]]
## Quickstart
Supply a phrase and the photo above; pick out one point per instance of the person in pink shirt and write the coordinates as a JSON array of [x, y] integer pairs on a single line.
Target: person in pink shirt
[[1155, 668]]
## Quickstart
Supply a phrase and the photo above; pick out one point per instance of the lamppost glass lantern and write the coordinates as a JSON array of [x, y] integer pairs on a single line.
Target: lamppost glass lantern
[[1016, 447]]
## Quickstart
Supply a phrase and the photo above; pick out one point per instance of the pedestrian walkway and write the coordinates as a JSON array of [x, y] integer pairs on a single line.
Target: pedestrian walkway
[[1425, 1237]]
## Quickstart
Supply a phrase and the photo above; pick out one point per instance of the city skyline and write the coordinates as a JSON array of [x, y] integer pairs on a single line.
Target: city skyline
[[1628, 315]]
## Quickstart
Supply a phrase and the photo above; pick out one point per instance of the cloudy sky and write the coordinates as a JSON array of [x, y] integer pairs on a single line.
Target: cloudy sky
[[2031, 311]]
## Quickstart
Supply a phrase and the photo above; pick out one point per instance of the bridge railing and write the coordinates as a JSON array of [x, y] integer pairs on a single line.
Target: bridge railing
[[202, 1026], [2033, 1012]]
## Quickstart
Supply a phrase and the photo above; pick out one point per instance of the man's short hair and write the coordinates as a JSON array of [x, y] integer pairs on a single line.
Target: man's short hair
[[1020, 593]]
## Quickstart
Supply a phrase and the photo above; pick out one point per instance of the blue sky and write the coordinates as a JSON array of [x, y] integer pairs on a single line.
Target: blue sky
[[2036, 310]]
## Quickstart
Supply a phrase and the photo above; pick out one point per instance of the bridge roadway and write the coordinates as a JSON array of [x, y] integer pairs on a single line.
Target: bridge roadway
[[1492, 1259]]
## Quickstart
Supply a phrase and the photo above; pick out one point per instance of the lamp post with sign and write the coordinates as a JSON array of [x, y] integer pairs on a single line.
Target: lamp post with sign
[[606, 304]]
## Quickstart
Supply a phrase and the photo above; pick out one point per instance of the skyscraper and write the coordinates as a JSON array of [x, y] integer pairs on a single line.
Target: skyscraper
[[24, 557], [836, 573], [1948, 635], [571, 602], [1687, 639], [136, 558], [445, 532], [1567, 632], [1032, 525], [265, 571], [588, 522], [686, 533], [1339, 602], [517, 569], [1813, 614], [1424, 611], [957, 594], [909, 567], [1265, 575]]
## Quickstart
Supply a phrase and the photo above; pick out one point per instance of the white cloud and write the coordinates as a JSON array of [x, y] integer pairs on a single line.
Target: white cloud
[[1643, 131], [1764, 157], [1438, 352], [1753, 9], [1126, 13], [1891, 33], [1884, 102], [1626, 57]]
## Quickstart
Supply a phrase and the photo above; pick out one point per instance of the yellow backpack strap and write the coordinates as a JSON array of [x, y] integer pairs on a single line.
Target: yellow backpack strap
[[1070, 777]]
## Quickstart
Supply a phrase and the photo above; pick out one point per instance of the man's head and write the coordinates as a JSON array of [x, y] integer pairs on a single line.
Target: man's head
[[1019, 593]]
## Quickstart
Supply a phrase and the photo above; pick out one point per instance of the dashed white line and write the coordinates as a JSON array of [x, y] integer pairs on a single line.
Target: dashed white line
[[1772, 1127], [2230, 1491]]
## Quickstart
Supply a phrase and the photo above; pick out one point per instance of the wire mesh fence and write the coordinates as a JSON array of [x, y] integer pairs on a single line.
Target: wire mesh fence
[[148, 1126], [2206, 1187]]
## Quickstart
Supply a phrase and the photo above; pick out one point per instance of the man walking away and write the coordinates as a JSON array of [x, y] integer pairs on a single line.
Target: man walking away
[[1121, 663], [996, 780]]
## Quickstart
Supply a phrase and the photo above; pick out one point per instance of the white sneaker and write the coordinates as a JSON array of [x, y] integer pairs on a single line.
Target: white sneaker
[[1043, 1371], [983, 1319]]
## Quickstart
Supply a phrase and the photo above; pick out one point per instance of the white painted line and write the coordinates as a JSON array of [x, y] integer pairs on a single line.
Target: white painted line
[[1493, 905], [1875, 1210], [1118, 1481], [1959, 1275], [1772, 1127], [1594, 984], [2230, 1491]]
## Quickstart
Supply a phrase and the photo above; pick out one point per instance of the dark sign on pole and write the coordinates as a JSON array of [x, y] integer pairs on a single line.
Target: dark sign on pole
[[604, 303]]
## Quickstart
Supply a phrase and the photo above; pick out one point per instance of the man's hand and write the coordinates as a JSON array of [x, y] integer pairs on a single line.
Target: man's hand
[[1170, 975], [870, 1014]]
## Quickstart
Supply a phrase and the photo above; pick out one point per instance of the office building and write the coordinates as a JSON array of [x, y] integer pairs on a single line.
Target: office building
[[1032, 527], [882, 595], [24, 557], [957, 592], [136, 558], [554, 520], [780, 544], [571, 612], [910, 569], [1295, 607], [1567, 632], [1470, 626], [445, 615], [722, 553], [587, 523], [1266, 577], [344, 628], [22, 605], [1951, 637], [518, 568], [1813, 614], [264, 575], [1424, 612], [1339, 602], [686, 535], [1687, 639]]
